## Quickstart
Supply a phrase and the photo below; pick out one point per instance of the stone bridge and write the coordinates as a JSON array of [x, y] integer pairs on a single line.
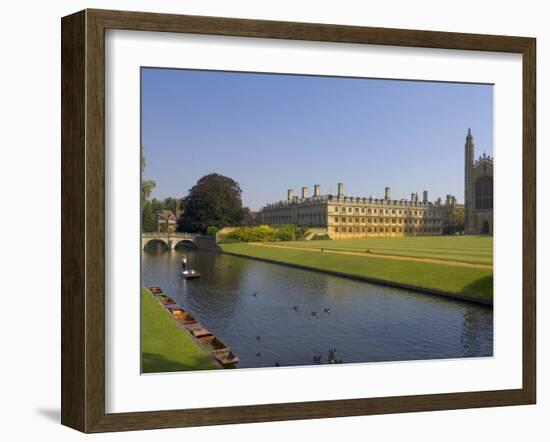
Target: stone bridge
[[171, 239]]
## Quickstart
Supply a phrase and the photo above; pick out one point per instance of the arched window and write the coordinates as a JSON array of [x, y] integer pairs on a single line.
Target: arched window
[[484, 193]]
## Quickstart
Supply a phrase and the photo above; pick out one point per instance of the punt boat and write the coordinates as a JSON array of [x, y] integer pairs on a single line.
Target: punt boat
[[217, 349], [190, 274], [182, 316], [198, 330], [167, 301]]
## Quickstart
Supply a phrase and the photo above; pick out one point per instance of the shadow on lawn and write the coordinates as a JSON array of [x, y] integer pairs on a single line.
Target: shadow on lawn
[[480, 287], [155, 363]]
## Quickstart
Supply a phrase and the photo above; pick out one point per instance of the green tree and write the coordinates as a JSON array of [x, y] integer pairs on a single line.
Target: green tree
[[147, 218], [262, 233], [156, 205], [211, 230], [249, 217], [146, 188], [214, 201], [286, 233], [170, 203]]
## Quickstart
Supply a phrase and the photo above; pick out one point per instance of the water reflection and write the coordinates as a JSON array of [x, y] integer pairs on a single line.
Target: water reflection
[[249, 305]]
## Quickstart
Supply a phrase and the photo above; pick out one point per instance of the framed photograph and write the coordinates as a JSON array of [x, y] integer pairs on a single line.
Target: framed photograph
[[270, 220]]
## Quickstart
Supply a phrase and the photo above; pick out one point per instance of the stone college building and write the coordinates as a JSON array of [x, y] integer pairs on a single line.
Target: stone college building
[[346, 217], [478, 190]]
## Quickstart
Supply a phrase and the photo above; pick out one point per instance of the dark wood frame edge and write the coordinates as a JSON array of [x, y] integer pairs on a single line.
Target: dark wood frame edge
[[83, 233]]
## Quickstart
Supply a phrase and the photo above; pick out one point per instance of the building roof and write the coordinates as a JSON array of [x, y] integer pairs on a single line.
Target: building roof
[[166, 214]]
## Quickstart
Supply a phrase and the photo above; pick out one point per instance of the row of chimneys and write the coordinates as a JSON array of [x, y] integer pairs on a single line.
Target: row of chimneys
[[387, 193], [316, 191], [450, 199], [414, 196]]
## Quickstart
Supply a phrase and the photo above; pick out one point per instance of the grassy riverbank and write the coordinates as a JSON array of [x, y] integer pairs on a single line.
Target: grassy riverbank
[[448, 278], [466, 248], [164, 346]]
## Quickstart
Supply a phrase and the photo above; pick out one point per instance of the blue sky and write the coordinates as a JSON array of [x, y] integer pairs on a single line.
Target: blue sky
[[275, 132]]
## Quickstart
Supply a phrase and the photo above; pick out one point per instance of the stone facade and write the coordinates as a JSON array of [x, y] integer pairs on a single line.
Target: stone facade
[[347, 217], [359, 217], [478, 190]]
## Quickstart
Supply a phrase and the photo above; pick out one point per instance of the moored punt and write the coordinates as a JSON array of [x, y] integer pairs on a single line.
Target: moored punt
[[225, 356], [212, 343], [201, 332], [166, 301], [202, 336], [197, 330], [183, 316], [171, 306], [221, 352]]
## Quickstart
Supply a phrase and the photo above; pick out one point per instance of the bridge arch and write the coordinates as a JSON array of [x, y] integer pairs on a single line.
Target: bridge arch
[[147, 244], [170, 239], [185, 243]]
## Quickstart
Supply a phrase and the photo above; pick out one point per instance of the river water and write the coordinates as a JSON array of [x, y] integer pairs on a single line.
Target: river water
[[249, 305]]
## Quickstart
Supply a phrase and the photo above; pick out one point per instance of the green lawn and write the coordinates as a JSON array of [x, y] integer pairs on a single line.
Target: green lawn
[[472, 249], [451, 279], [164, 346]]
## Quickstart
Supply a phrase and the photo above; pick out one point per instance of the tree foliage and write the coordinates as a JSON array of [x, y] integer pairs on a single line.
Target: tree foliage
[[286, 233], [147, 186], [264, 233], [212, 230], [166, 204], [147, 211], [148, 220], [249, 218], [214, 201], [261, 233]]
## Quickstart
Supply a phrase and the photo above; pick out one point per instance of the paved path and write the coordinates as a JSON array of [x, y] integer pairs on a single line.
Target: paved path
[[378, 255]]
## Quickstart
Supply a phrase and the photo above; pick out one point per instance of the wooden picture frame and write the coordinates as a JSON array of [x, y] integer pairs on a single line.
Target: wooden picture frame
[[83, 219]]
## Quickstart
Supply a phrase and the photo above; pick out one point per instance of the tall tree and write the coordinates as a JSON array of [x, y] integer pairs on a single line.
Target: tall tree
[[147, 186], [147, 213], [171, 203], [148, 220], [249, 217], [214, 201]]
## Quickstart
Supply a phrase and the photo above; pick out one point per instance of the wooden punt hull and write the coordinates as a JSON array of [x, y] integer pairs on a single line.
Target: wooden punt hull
[[166, 301], [217, 349], [182, 316], [225, 356], [213, 345], [198, 330]]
